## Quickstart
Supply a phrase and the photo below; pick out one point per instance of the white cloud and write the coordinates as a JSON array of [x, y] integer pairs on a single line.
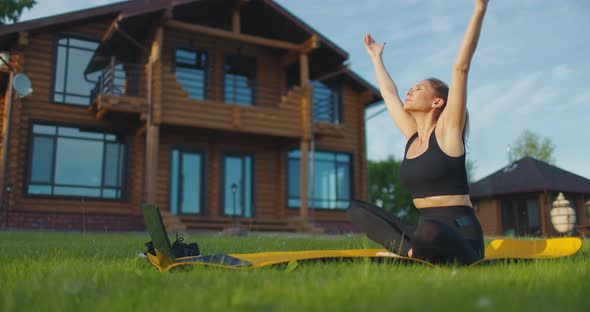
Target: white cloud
[[441, 24], [400, 31], [539, 96], [582, 99], [562, 71], [490, 101], [434, 60], [579, 102]]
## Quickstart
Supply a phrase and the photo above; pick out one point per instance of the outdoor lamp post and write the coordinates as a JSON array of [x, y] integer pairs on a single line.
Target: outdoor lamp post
[[234, 189], [22, 85], [563, 215]]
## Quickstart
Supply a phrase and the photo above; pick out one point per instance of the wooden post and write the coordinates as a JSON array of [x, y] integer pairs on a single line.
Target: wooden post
[[12, 124], [282, 182], [303, 211], [543, 211], [364, 171], [111, 72], [153, 130], [304, 69], [5, 144], [153, 133], [581, 210], [306, 131], [235, 26], [236, 116], [547, 217], [499, 223], [156, 50]]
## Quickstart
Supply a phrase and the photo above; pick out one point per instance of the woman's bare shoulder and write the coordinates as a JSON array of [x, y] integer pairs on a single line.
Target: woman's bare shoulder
[[449, 140]]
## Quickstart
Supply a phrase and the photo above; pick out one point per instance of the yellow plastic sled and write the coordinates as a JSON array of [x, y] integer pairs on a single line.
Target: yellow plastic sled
[[164, 260]]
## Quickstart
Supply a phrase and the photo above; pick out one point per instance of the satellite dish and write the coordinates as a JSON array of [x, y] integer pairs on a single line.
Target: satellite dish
[[22, 85]]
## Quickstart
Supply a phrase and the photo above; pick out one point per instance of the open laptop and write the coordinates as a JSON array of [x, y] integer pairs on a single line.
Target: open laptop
[[157, 230]]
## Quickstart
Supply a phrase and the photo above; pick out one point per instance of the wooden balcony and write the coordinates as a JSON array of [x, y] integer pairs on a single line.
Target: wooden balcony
[[267, 109], [260, 108], [121, 89], [328, 129]]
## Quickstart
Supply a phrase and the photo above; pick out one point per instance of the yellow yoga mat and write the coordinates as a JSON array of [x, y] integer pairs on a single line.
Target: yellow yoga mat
[[533, 248], [497, 249]]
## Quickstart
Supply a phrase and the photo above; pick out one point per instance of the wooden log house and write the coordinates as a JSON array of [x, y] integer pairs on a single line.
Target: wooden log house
[[211, 109]]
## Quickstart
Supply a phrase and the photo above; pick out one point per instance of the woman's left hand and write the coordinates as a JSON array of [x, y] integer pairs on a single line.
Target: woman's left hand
[[481, 3]]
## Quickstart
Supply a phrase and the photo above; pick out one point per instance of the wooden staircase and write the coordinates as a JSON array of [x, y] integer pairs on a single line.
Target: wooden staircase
[[172, 85], [172, 222], [292, 99]]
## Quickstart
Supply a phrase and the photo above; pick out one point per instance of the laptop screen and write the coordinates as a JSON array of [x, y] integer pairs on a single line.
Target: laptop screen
[[155, 226]]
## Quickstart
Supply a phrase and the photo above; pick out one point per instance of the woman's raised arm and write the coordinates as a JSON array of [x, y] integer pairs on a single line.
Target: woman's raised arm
[[404, 121], [453, 116]]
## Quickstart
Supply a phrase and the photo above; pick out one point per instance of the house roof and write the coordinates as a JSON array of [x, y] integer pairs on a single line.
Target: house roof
[[529, 175], [278, 23], [131, 7], [8, 32]]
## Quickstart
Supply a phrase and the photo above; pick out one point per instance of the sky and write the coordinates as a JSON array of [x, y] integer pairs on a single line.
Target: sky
[[528, 73]]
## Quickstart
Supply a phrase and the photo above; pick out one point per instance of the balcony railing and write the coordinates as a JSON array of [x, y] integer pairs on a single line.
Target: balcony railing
[[230, 89], [121, 88], [121, 79]]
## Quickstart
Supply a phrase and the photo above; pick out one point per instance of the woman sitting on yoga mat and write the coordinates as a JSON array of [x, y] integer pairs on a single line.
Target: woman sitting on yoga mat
[[433, 119]]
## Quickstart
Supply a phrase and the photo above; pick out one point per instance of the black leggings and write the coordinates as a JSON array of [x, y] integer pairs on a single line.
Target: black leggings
[[443, 235]]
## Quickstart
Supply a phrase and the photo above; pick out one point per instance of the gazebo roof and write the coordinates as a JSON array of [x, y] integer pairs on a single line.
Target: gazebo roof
[[529, 175]]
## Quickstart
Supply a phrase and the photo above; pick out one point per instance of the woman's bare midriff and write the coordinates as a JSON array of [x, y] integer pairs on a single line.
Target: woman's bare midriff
[[442, 201]]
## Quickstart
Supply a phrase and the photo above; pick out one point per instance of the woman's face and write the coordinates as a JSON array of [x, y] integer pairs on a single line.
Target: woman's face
[[421, 97]]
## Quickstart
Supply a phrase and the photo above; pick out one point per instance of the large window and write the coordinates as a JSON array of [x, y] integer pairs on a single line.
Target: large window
[[69, 161], [331, 185], [191, 71], [71, 86], [521, 217], [326, 102], [239, 80]]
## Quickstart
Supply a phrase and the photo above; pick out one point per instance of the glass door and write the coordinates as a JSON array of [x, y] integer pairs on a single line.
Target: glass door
[[237, 186], [186, 182]]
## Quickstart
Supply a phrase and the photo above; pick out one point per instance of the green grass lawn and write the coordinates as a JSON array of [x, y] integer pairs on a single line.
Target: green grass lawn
[[50, 271]]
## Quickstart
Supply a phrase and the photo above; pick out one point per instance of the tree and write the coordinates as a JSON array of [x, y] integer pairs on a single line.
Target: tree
[[531, 144], [10, 10], [386, 191]]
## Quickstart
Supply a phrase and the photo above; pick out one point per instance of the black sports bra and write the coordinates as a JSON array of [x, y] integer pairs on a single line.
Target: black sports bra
[[433, 173]]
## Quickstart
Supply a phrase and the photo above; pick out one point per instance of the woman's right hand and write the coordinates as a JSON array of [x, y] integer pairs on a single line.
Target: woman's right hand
[[374, 49]]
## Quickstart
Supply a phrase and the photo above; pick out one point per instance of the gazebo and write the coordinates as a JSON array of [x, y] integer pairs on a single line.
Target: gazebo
[[517, 199]]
